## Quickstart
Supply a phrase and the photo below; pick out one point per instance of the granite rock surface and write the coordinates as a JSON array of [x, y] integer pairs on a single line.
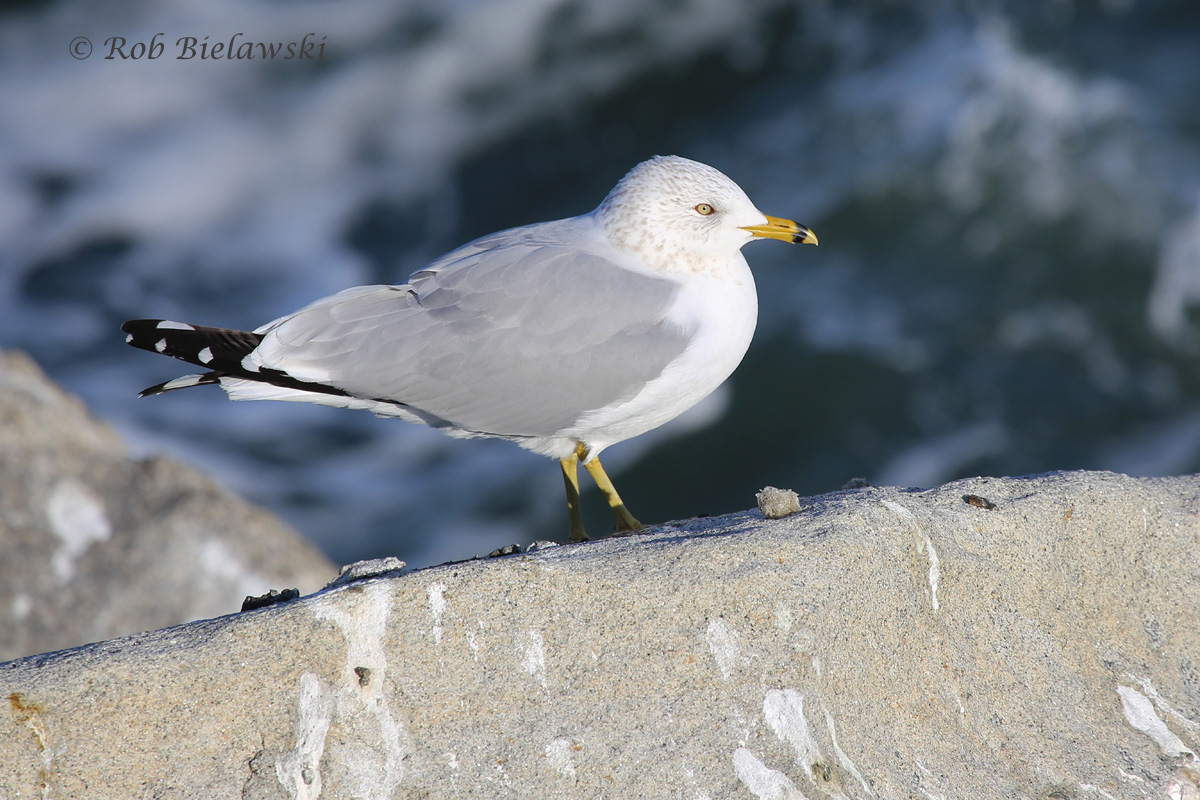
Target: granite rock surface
[[992, 638], [94, 544]]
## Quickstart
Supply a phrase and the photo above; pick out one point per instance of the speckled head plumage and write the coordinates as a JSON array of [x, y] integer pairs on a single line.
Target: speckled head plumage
[[677, 213]]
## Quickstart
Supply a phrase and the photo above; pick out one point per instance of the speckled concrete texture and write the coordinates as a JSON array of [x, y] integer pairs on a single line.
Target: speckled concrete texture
[[881, 643]]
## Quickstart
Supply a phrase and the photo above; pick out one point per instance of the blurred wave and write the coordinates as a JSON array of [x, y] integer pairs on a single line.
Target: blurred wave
[[1006, 194]]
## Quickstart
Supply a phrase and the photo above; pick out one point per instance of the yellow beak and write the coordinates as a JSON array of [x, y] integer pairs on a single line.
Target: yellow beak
[[784, 230]]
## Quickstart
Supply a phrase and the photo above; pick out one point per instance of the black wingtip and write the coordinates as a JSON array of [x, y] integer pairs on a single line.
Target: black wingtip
[[183, 382], [136, 327], [142, 333], [220, 350]]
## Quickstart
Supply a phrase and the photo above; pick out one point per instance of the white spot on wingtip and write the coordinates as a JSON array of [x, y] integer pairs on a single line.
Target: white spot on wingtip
[[182, 382], [128, 338], [167, 324], [205, 355], [160, 345]]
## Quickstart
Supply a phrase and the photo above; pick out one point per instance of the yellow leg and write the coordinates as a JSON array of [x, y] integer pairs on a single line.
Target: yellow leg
[[625, 520], [571, 479]]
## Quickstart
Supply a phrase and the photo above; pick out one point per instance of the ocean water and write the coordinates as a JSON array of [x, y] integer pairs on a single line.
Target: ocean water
[[1007, 197]]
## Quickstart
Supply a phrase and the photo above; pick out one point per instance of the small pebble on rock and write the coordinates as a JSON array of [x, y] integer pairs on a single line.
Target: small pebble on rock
[[361, 570], [777, 503]]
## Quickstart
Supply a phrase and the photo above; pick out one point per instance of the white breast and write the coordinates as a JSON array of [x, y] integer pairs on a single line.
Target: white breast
[[723, 312]]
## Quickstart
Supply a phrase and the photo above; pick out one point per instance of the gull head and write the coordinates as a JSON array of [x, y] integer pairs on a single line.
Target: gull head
[[675, 213]]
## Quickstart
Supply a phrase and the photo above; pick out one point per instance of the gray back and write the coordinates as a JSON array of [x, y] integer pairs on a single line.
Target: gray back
[[515, 334]]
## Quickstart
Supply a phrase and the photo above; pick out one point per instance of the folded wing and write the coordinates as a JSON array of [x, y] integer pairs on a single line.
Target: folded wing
[[516, 334]]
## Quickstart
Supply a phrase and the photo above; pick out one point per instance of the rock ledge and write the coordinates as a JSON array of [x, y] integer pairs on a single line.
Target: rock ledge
[[881, 643]]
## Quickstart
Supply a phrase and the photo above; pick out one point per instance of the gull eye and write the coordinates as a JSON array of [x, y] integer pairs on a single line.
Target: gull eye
[[704, 209]]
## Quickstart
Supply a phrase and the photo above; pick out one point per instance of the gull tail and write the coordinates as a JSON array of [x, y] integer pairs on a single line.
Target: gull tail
[[222, 351]]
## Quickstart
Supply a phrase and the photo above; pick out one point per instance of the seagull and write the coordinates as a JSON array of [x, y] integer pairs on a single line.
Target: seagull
[[564, 337]]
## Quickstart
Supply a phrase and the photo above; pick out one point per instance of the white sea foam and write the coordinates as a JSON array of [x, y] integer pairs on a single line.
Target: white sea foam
[[225, 193]]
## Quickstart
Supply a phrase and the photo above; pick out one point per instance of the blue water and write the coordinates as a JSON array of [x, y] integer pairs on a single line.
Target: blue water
[[1007, 196]]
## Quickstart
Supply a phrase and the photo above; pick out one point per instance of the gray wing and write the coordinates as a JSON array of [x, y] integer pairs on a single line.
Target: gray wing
[[516, 334]]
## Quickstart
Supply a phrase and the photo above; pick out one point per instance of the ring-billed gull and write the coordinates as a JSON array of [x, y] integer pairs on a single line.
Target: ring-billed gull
[[564, 337]]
